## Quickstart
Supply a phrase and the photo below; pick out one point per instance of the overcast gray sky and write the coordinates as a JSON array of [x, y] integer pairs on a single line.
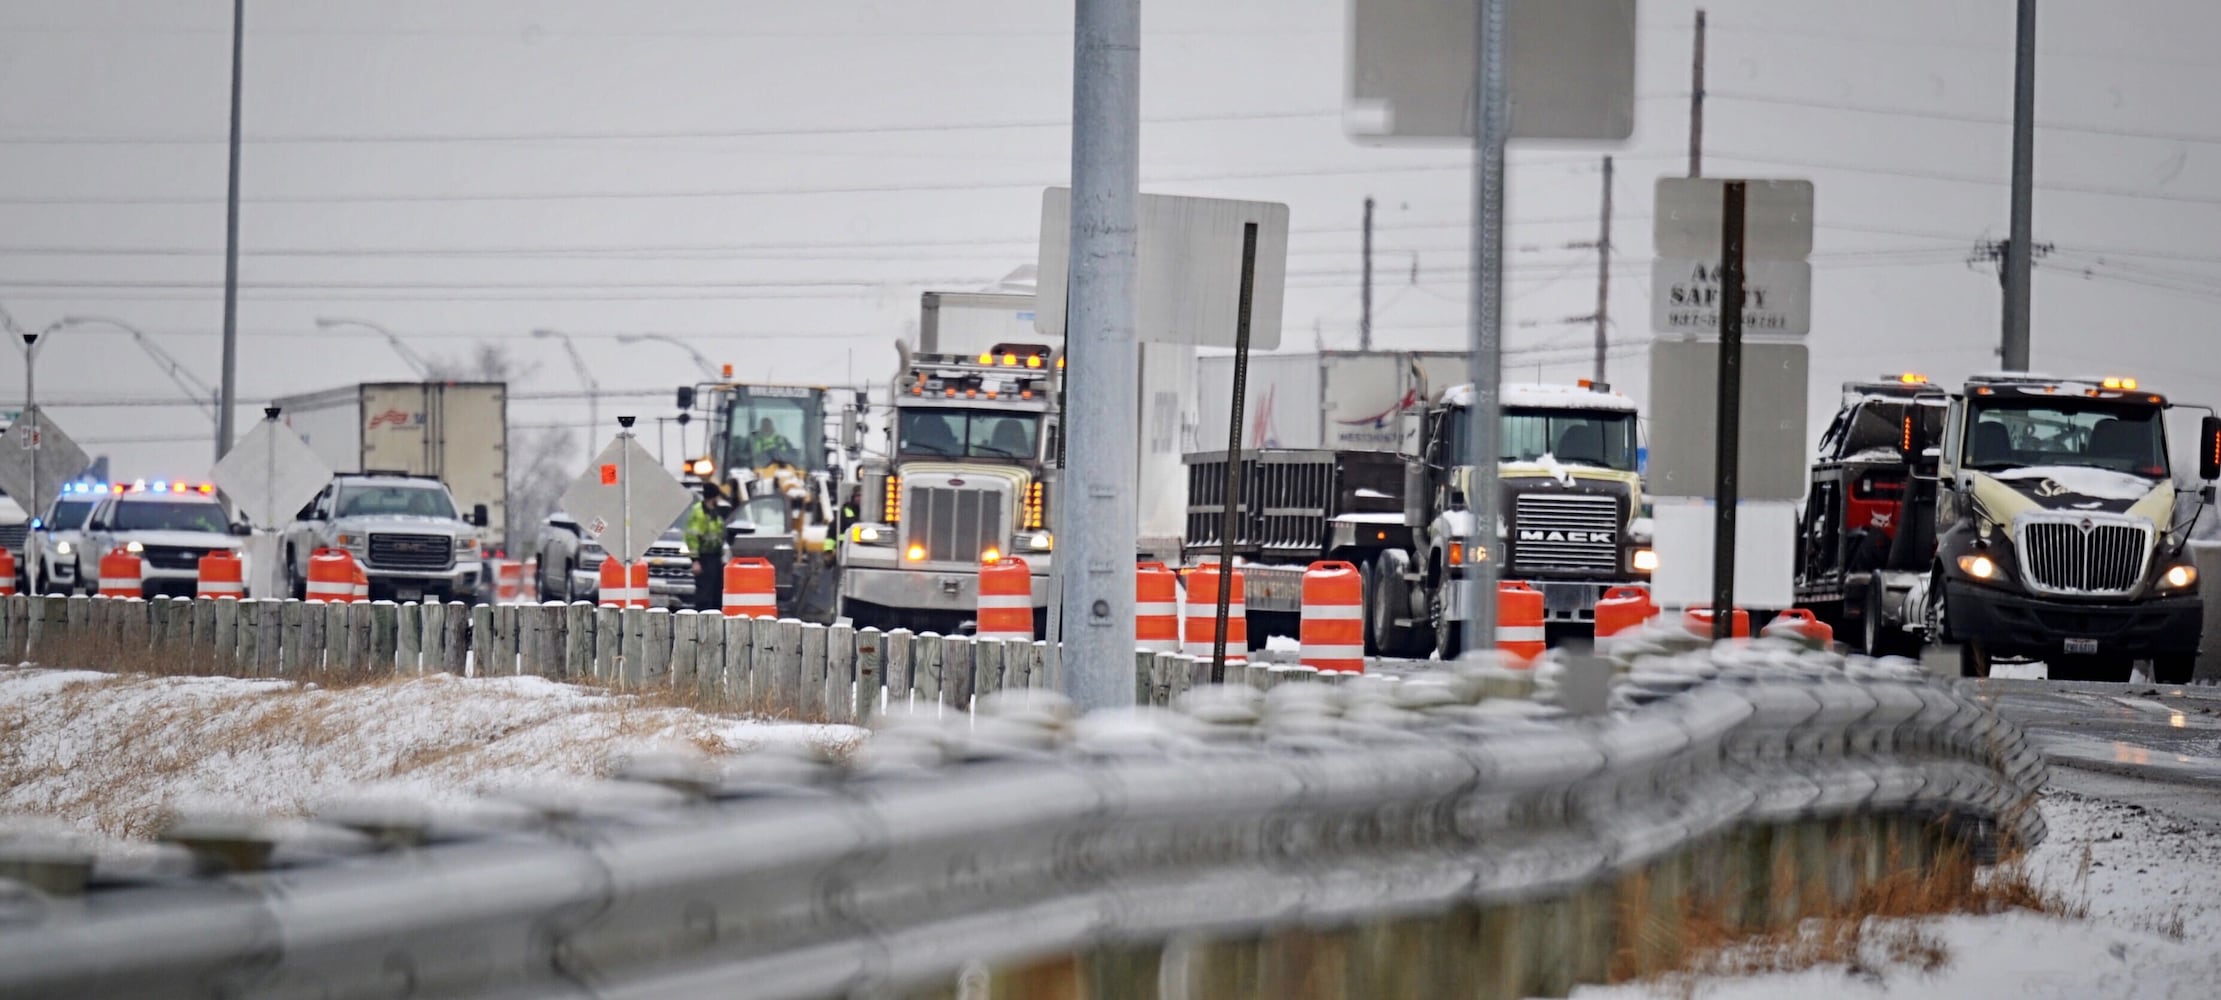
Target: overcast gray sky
[[777, 181]]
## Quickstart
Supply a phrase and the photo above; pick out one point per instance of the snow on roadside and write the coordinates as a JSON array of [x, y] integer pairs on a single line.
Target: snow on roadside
[[108, 753], [2151, 885]]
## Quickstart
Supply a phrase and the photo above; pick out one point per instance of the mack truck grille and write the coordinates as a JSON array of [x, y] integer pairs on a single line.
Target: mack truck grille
[[954, 524], [1565, 532], [411, 552], [2079, 557]]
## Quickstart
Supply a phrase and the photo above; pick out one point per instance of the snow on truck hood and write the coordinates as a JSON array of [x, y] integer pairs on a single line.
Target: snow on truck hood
[[1545, 396], [2097, 484]]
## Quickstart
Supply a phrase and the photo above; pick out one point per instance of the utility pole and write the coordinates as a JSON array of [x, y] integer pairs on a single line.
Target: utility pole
[[1696, 103], [229, 378], [1491, 126], [1365, 300], [1604, 272], [2020, 246], [1095, 555]]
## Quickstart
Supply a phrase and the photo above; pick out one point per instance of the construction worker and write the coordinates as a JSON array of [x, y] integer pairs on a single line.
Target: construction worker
[[768, 446], [705, 538]]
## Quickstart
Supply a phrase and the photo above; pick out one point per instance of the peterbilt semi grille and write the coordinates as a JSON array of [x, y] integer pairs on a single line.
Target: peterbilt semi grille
[[1565, 532], [954, 523], [411, 552], [2072, 556]]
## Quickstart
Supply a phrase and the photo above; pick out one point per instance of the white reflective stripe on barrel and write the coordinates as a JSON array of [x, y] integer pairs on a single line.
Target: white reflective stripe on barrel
[[1519, 633], [1311, 653], [1332, 612], [990, 601]]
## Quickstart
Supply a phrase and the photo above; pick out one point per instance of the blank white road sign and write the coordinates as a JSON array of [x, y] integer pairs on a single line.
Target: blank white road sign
[[597, 499], [1765, 547], [270, 474], [1190, 269], [1569, 69], [1685, 297], [1687, 218]]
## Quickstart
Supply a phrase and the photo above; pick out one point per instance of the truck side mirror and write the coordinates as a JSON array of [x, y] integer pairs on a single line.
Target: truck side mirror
[[848, 430], [2209, 448], [686, 398], [479, 516]]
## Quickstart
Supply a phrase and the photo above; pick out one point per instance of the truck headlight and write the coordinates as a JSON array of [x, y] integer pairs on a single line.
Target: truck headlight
[[1039, 541], [2180, 576], [64, 548], [134, 547], [466, 546], [350, 542], [1644, 560], [1980, 567], [871, 534]]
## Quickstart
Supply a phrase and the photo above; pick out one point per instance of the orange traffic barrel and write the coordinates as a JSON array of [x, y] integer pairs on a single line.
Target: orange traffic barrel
[[1005, 600], [222, 574], [1698, 620], [623, 589], [120, 572], [1798, 623], [750, 588], [1156, 608], [7, 573], [1332, 629], [1623, 608], [1519, 631], [358, 589], [1202, 624], [331, 576], [508, 581]]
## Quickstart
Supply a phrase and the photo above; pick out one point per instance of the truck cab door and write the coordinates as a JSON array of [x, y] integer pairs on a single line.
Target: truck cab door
[[1951, 502]]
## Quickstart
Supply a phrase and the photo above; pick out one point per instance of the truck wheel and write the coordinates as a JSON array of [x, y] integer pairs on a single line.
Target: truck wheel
[[1449, 639], [294, 586], [2175, 669], [1386, 600], [1878, 635]]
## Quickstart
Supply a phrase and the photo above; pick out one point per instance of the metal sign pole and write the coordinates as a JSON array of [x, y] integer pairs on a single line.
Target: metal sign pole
[[1228, 510], [1731, 410], [31, 412], [1486, 364]]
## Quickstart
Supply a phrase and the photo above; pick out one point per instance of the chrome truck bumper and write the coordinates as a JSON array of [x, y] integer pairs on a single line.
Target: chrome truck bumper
[[925, 589]]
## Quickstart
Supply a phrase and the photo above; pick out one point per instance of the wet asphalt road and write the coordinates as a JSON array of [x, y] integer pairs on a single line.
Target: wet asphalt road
[[2150, 744]]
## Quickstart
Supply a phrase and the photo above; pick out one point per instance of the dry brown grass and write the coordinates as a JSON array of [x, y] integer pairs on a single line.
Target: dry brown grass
[[1882, 926]]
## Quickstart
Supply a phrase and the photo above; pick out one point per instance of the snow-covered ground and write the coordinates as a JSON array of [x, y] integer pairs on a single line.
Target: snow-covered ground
[[2151, 885], [108, 754]]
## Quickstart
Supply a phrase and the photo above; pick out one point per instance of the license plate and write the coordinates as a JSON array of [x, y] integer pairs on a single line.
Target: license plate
[[405, 594], [2082, 645]]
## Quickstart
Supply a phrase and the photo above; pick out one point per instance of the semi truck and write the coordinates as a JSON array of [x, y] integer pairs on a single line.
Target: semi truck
[[457, 432], [1858, 552], [1571, 515], [2059, 530]]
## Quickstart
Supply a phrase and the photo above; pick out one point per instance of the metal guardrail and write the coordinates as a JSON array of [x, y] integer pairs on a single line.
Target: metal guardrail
[[1405, 826]]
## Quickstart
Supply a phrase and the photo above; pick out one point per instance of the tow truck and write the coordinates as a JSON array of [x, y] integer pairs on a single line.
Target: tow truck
[[2059, 531], [1866, 534]]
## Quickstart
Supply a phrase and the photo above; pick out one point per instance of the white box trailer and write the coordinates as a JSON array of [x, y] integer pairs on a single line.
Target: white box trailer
[[1326, 400], [457, 431]]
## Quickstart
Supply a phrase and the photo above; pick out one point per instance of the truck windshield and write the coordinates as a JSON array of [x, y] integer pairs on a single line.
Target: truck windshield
[[381, 501], [768, 429], [2098, 434], [1877, 426], [968, 434], [168, 515], [1602, 438]]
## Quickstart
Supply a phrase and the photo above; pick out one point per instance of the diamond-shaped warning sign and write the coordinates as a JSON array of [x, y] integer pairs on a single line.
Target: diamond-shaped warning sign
[[58, 458], [271, 474], [624, 479]]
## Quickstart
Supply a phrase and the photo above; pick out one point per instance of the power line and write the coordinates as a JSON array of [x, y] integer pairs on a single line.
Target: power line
[[1937, 175], [1963, 117], [640, 135]]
